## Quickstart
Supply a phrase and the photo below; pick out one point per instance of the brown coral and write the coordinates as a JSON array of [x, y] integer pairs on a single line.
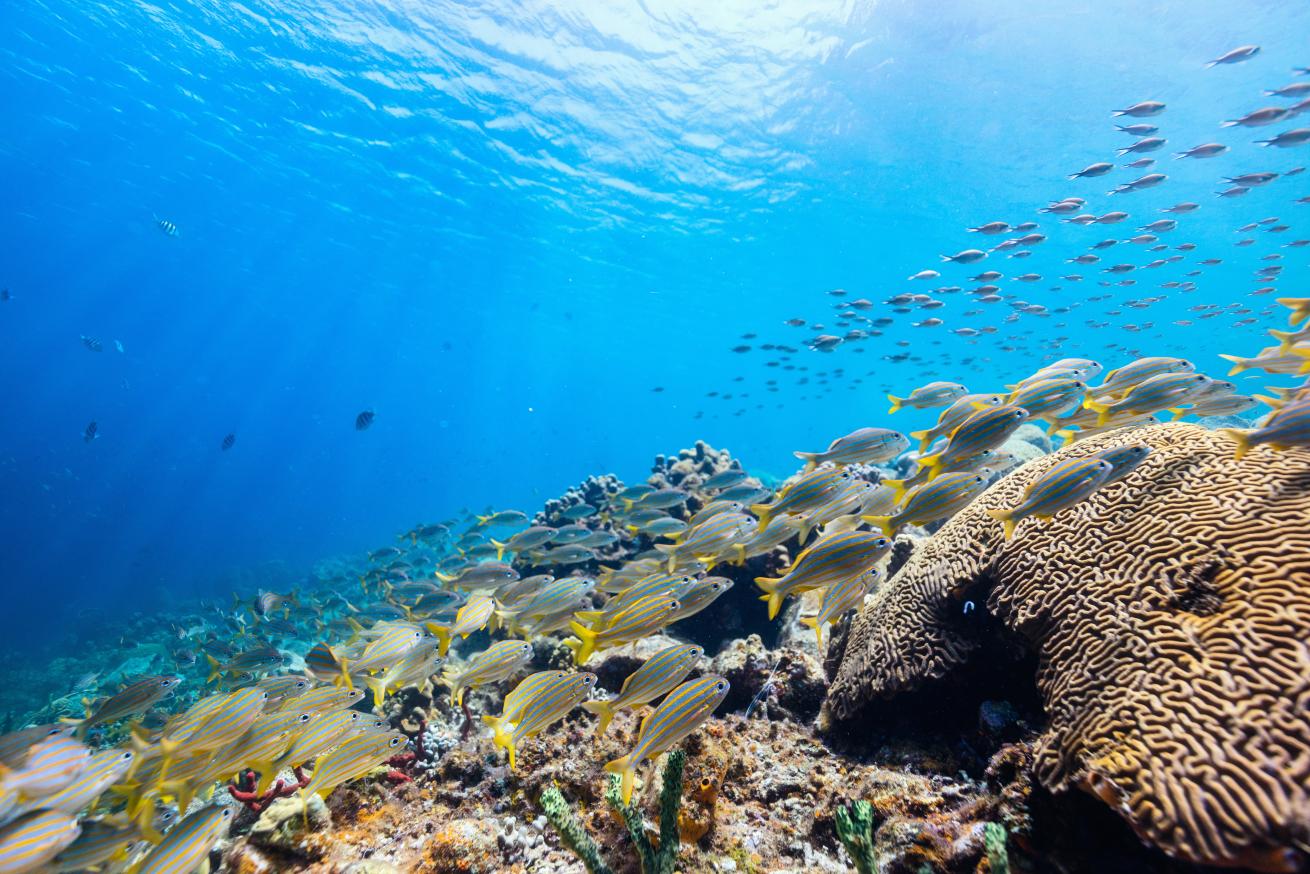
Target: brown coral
[[1170, 614]]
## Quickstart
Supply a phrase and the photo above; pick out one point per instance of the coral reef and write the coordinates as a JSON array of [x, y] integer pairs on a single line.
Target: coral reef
[[1169, 615]]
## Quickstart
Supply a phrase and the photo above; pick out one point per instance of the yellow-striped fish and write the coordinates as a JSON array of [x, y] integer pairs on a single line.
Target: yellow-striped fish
[[354, 758], [681, 713], [660, 673], [1064, 485], [498, 662], [102, 770], [32, 840], [51, 765], [548, 705], [954, 415], [475, 615], [101, 841], [811, 490], [939, 499], [324, 699], [1300, 307], [413, 670], [826, 562], [520, 695], [188, 843], [642, 619], [934, 394], [390, 646], [839, 599]]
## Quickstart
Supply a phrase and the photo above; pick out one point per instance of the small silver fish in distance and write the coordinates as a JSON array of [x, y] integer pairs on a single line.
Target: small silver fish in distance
[[1236, 56], [1062, 486], [657, 675], [681, 713], [862, 446]]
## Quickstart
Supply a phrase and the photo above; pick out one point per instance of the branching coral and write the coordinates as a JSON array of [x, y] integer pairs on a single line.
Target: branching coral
[[656, 858], [1169, 613], [245, 792]]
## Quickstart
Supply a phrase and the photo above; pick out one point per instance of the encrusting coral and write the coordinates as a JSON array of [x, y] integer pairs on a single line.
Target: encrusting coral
[[1169, 613]]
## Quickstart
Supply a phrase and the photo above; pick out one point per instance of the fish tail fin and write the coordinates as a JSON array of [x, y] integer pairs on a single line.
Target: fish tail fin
[[1102, 410], [215, 668], [344, 679], [591, 617], [586, 644], [445, 578], [886, 524], [1304, 352], [502, 738], [1242, 439], [924, 438], [482, 520], [811, 460], [500, 548], [1284, 339], [1007, 518], [1300, 307], [763, 512], [897, 404], [898, 488], [1068, 435], [1228, 124], [1178, 413], [603, 711], [379, 687], [627, 772], [933, 464], [442, 634], [771, 586], [1238, 364], [1268, 401]]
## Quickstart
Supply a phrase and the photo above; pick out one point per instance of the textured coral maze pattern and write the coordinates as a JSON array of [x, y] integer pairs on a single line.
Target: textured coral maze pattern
[[1171, 617]]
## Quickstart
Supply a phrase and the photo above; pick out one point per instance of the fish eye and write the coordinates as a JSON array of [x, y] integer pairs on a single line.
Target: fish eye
[[126, 757], [720, 686]]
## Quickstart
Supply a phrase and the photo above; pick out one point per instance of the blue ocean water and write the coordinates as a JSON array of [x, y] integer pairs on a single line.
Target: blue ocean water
[[503, 226]]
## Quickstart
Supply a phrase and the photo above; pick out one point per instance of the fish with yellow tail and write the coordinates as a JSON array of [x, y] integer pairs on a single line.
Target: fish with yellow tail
[[1049, 398], [986, 429], [660, 673], [518, 697], [32, 840], [548, 705], [1300, 307], [1272, 359], [681, 713], [934, 394], [478, 612], [939, 499], [1288, 339], [1285, 429], [952, 417], [984, 462], [1123, 460], [391, 645], [1162, 392], [810, 490], [1121, 379], [707, 541], [1064, 485], [355, 757], [862, 446], [186, 845], [838, 600], [413, 670], [498, 662], [827, 561], [642, 619], [524, 541]]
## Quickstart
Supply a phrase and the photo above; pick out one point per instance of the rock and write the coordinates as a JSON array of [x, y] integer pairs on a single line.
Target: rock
[[466, 846], [795, 679], [371, 866], [285, 823]]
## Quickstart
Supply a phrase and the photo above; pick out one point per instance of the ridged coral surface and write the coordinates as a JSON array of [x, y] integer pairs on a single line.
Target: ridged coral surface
[[1171, 616]]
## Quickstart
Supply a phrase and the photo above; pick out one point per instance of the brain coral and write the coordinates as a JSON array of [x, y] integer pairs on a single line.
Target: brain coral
[[1170, 614]]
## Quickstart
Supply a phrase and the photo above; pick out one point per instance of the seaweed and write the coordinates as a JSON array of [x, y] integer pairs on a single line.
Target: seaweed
[[656, 858], [855, 829]]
